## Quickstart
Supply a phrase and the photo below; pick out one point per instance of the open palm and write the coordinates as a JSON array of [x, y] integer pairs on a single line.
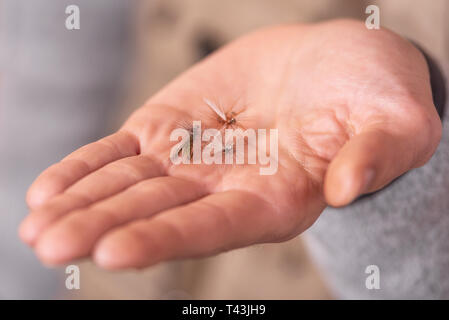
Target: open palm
[[353, 109]]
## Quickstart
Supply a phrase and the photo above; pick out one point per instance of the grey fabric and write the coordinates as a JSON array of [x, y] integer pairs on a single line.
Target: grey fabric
[[57, 90], [404, 230]]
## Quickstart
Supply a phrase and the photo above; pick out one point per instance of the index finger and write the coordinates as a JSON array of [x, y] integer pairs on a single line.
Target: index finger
[[215, 223]]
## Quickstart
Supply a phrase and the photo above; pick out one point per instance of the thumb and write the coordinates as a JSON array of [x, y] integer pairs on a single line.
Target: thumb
[[371, 160]]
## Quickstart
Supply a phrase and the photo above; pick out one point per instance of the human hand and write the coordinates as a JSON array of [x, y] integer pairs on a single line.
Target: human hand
[[354, 111]]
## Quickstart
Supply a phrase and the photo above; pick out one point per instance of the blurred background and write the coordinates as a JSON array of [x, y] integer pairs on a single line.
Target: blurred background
[[61, 89]]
